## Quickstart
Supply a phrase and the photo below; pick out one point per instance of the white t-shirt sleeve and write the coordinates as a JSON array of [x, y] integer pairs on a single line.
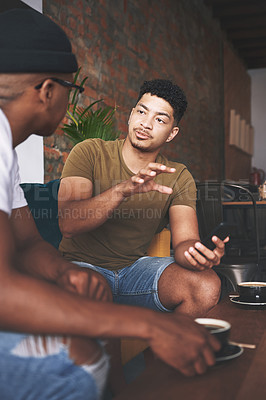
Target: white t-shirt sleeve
[[11, 194], [6, 162], [18, 194]]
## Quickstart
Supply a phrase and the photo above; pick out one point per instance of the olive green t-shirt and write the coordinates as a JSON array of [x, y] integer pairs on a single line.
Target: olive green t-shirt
[[127, 233]]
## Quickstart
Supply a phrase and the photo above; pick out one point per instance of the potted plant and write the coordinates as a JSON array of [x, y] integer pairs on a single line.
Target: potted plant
[[87, 123]]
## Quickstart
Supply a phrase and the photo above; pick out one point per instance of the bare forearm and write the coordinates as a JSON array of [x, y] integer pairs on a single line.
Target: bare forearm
[[41, 260], [195, 256], [179, 252], [85, 215], [33, 306]]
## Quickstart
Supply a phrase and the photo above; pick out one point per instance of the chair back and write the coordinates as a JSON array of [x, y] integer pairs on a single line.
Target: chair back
[[242, 254], [211, 198], [247, 234], [209, 207], [42, 201]]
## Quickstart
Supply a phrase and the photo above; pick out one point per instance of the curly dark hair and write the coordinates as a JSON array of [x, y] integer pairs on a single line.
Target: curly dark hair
[[165, 89]]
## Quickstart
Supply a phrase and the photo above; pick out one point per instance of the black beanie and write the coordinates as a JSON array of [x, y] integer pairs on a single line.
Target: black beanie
[[32, 42]]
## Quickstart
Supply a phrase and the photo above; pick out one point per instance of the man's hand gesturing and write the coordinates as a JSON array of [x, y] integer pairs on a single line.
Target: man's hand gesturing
[[144, 182]]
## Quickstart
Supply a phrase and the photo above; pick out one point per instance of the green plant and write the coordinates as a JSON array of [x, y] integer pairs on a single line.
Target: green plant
[[89, 122]]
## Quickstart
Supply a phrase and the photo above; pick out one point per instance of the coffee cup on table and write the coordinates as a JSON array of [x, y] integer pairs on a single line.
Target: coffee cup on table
[[218, 328], [252, 292]]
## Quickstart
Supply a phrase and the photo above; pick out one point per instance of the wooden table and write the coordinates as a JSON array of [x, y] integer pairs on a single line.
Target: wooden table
[[259, 203], [243, 378]]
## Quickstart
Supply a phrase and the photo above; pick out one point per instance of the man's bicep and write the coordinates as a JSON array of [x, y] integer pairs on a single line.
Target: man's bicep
[[7, 246], [183, 224], [74, 188]]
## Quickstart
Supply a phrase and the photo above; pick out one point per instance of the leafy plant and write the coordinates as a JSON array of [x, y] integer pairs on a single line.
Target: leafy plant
[[89, 123]]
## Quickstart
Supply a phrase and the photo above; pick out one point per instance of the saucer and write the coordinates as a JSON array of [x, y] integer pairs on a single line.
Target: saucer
[[231, 351], [236, 300]]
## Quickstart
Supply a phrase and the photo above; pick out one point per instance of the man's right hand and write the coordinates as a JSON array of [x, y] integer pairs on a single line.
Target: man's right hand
[[144, 182], [85, 282], [183, 344]]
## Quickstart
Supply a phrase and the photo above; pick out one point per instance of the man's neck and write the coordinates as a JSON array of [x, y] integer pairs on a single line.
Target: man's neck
[[136, 159], [19, 127]]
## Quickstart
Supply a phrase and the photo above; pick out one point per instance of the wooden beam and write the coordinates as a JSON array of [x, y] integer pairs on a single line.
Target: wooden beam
[[239, 10], [246, 33], [250, 43], [244, 22], [254, 63], [256, 53], [225, 3]]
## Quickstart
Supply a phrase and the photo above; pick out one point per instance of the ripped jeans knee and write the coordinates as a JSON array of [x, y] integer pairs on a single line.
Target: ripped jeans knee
[[40, 346], [49, 356]]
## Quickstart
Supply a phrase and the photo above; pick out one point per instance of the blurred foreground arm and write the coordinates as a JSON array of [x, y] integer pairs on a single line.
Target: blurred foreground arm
[[31, 305]]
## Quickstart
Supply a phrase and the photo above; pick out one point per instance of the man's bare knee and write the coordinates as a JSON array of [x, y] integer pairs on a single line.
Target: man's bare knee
[[84, 350], [191, 291], [210, 287]]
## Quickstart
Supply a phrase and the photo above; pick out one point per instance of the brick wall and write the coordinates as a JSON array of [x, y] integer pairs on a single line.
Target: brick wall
[[121, 43]]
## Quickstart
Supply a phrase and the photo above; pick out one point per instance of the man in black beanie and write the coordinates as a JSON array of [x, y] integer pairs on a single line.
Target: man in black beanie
[[51, 311]]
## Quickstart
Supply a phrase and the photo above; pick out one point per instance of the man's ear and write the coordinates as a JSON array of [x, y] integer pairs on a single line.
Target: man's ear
[[46, 92], [173, 134]]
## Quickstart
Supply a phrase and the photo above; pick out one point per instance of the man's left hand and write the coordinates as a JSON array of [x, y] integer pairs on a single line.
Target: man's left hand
[[201, 258]]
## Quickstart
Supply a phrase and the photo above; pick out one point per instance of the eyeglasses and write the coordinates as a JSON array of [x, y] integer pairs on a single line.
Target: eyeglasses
[[67, 84]]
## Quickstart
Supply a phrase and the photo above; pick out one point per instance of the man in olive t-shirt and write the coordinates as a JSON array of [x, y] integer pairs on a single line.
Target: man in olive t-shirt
[[113, 198]]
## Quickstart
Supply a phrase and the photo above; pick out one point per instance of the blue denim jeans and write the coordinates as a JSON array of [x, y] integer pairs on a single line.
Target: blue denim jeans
[[42, 377], [136, 284]]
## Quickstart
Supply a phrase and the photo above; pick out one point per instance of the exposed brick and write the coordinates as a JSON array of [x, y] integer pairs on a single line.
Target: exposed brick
[[109, 101], [107, 37], [64, 156], [94, 28], [51, 153], [69, 32], [49, 141], [119, 44], [59, 169], [49, 168], [143, 64], [76, 12], [91, 93], [88, 11], [103, 23], [122, 127], [133, 94], [72, 23], [81, 31]]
